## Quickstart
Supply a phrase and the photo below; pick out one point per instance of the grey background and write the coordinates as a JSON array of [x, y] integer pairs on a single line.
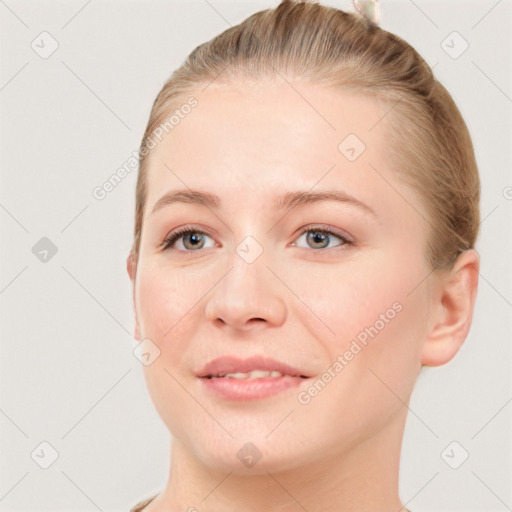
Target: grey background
[[67, 373]]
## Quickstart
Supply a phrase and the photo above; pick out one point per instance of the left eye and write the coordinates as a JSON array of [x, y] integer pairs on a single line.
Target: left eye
[[318, 237]]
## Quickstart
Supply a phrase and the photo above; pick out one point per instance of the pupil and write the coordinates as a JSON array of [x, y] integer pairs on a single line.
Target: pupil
[[194, 239], [317, 237]]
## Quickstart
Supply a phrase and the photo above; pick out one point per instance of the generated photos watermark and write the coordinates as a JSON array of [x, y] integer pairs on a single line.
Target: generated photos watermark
[[132, 162], [342, 360]]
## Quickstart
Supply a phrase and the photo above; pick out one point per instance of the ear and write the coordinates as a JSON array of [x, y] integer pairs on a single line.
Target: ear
[[452, 310], [131, 267]]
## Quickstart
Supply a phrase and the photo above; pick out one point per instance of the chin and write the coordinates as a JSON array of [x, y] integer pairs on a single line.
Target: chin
[[245, 454]]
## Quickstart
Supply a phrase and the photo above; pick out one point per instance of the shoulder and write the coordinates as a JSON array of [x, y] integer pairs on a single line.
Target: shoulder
[[140, 506]]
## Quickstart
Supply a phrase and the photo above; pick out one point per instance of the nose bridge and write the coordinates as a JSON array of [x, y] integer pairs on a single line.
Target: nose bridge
[[248, 262], [248, 289]]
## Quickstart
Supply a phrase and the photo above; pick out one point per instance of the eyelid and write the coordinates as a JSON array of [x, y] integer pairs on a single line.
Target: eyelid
[[328, 229]]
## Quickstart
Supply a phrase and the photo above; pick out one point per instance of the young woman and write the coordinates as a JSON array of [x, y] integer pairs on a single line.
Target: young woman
[[306, 214]]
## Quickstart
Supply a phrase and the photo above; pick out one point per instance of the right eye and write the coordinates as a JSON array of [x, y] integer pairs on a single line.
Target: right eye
[[192, 237]]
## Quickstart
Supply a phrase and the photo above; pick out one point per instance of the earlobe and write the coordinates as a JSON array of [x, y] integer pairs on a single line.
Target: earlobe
[[130, 266], [136, 331], [132, 270], [452, 310]]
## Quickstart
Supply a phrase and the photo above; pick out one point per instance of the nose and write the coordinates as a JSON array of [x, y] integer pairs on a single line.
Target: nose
[[248, 296]]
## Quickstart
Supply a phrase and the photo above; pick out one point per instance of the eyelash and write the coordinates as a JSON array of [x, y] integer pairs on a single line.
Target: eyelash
[[169, 240]]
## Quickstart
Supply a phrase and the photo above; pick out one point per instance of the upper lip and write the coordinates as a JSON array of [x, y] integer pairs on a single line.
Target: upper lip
[[231, 364]]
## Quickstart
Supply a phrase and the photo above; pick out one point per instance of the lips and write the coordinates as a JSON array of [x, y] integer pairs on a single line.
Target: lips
[[230, 365]]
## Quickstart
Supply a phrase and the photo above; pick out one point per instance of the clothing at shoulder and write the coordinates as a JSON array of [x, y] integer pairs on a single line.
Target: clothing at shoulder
[[142, 504]]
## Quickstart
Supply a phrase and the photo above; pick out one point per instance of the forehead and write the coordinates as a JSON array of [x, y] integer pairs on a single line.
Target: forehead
[[244, 142]]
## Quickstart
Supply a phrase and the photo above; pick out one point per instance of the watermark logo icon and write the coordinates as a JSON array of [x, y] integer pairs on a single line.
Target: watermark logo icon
[[44, 455], [249, 249], [249, 455], [44, 45], [44, 250], [146, 352], [454, 45], [351, 147], [455, 455]]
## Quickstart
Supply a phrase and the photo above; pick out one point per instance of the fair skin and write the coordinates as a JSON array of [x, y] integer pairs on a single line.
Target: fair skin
[[301, 302]]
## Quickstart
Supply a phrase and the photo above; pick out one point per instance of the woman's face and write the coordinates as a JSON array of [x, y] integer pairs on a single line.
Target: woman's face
[[351, 315]]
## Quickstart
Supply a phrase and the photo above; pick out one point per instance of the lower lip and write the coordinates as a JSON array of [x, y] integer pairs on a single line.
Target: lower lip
[[250, 389]]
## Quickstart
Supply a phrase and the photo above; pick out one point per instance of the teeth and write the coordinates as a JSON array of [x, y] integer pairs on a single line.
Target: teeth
[[255, 374]]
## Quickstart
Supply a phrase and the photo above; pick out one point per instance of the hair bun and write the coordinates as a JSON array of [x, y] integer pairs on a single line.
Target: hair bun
[[369, 10]]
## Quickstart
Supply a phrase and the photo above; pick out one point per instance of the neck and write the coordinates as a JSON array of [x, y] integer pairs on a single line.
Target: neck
[[361, 479]]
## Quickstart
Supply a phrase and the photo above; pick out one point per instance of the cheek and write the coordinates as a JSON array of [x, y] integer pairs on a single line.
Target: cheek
[[379, 329], [155, 306], [161, 303], [373, 310], [162, 306], [168, 304]]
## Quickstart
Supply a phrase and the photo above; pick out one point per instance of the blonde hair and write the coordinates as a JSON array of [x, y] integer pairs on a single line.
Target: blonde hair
[[430, 146]]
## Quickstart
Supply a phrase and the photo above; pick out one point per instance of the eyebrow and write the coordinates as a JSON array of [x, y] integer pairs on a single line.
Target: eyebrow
[[286, 201]]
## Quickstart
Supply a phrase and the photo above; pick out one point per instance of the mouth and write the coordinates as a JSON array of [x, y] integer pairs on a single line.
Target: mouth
[[232, 379], [256, 367], [254, 374]]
